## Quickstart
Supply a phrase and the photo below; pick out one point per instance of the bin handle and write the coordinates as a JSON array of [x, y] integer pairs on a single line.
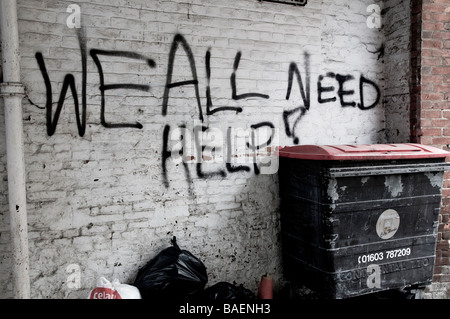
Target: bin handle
[[387, 169]]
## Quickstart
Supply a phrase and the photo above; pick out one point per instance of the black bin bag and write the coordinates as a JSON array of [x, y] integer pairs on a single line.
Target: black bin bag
[[172, 274]]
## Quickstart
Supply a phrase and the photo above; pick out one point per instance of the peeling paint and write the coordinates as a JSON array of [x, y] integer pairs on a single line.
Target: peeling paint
[[394, 184], [364, 180], [435, 179], [332, 190]]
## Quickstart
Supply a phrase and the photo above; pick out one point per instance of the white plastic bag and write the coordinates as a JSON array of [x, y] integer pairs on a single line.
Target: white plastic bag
[[126, 291], [115, 290]]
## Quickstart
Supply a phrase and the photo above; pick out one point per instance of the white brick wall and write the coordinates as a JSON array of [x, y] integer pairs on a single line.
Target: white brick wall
[[99, 201]]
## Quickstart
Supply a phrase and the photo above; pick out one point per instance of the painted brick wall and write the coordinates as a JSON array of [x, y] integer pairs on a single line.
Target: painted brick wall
[[431, 101], [106, 198]]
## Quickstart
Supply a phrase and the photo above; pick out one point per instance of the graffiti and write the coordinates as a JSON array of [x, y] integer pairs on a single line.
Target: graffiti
[[230, 155], [305, 94], [69, 82], [179, 39], [209, 104], [363, 81], [325, 94], [341, 92], [200, 149], [201, 145], [234, 95], [204, 145], [167, 154], [103, 87], [293, 69]]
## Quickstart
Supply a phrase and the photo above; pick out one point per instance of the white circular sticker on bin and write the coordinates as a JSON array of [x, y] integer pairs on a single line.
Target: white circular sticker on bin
[[388, 223]]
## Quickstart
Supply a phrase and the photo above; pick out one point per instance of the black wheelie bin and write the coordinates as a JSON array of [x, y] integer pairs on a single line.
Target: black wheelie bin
[[358, 219]]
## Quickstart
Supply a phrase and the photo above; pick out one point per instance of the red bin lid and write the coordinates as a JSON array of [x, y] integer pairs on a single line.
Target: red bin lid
[[362, 152]]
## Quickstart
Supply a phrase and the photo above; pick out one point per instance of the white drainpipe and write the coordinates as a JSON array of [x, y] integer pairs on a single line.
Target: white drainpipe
[[12, 92]]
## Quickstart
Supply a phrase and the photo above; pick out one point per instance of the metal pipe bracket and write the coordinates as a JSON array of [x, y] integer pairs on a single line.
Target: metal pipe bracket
[[12, 89]]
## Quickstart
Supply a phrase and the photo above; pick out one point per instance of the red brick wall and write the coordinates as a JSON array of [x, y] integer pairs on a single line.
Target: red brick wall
[[430, 107], [416, 42]]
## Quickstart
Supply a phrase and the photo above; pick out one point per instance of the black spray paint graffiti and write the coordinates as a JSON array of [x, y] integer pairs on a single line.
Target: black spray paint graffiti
[[291, 118], [179, 39], [103, 87], [236, 96], [69, 81], [204, 150], [304, 87], [341, 79], [306, 97]]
